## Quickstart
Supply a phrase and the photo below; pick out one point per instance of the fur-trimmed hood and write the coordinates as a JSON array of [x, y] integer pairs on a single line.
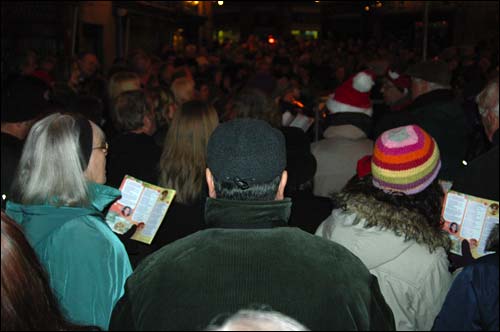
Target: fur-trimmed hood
[[402, 222]]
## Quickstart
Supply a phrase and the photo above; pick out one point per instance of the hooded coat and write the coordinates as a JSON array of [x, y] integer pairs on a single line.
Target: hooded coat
[[86, 262], [407, 256]]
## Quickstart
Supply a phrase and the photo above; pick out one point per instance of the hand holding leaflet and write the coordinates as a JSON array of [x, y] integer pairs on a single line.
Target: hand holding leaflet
[[469, 218], [142, 204]]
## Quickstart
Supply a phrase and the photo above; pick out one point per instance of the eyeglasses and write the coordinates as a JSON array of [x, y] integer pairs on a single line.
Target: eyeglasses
[[103, 148]]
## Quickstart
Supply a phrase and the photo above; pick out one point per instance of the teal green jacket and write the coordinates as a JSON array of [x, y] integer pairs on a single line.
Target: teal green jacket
[[86, 262]]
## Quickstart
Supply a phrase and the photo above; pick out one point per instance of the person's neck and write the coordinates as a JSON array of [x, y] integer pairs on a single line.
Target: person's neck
[[140, 131], [9, 129]]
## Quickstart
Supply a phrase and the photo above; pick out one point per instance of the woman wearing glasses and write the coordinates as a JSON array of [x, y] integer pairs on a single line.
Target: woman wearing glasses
[[58, 197]]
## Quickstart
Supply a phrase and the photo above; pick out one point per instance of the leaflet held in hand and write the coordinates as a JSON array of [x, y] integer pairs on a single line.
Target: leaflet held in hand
[[469, 218], [141, 202]]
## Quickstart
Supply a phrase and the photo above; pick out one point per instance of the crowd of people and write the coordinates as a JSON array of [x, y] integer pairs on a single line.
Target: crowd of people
[[334, 226]]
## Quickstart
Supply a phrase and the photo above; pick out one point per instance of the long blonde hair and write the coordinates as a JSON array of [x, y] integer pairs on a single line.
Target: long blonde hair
[[183, 161]]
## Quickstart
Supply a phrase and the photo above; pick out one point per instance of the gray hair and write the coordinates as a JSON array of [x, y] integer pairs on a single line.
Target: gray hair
[[51, 168], [431, 86], [129, 110], [436, 86], [487, 99], [257, 320]]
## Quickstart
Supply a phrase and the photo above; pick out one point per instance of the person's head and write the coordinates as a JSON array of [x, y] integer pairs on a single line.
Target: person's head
[[183, 90], [246, 160], [88, 64], [89, 107], [395, 88], [132, 113], [163, 103], [408, 148], [122, 82], [23, 102], [254, 104], [61, 154], [141, 62], [183, 161], [202, 88], [453, 227], [164, 195], [167, 71], [428, 76], [487, 102], [48, 63], [258, 320], [415, 193], [126, 211], [27, 62], [28, 303]]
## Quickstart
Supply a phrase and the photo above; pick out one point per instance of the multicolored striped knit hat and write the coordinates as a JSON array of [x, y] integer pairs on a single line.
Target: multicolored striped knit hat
[[406, 160]]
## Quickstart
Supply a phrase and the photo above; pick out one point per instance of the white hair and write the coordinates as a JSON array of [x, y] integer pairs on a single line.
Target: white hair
[[257, 320], [487, 99], [51, 168], [431, 86], [436, 86]]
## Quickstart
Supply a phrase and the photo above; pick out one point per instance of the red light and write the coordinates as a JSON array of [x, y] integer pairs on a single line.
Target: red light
[[271, 40]]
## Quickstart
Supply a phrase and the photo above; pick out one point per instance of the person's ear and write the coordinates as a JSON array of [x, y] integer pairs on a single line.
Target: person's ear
[[280, 195], [210, 183]]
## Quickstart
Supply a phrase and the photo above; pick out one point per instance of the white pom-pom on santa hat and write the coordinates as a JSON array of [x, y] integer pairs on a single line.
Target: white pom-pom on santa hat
[[363, 82]]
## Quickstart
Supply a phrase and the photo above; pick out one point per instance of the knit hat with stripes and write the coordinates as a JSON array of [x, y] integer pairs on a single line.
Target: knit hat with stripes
[[405, 159]]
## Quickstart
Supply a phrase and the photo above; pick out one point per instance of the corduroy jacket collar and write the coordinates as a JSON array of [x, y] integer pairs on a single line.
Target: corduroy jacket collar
[[223, 213]]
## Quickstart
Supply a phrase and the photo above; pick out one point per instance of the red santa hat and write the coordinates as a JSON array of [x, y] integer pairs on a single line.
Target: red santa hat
[[401, 81], [353, 95]]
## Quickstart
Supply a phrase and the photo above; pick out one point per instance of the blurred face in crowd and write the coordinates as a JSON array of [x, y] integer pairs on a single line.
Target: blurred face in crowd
[[167, 72], [30, 65], [487, 102], [48, 65], [204, 93], [88, 65], [96, 170], [142, 63], [391, 93], [418, 87], [340, 74]]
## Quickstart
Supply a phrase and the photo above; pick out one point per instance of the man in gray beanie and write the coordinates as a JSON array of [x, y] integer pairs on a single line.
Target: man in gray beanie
[[247, 257]]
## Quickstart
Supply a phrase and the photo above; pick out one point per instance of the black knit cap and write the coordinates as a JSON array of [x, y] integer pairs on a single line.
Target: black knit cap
[[246, 151]]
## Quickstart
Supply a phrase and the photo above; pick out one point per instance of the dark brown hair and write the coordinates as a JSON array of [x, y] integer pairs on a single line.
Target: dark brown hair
[[28, 303]]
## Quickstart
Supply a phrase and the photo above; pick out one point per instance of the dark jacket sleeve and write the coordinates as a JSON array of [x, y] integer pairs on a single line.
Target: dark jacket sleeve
[[381, 317], [122, 318], [472, 302]]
